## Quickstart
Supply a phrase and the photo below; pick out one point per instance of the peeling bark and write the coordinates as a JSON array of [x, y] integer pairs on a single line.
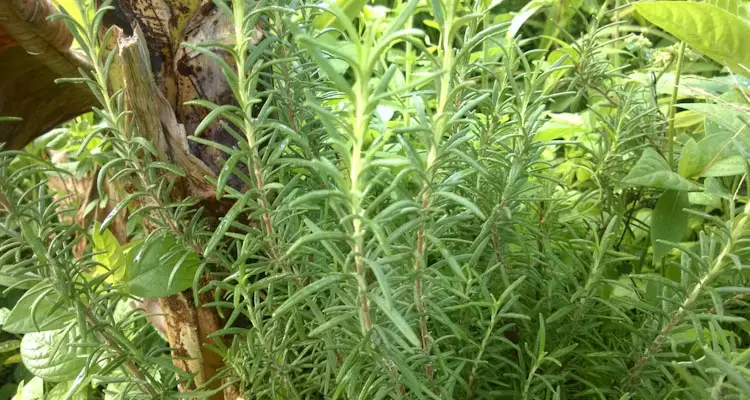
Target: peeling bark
[[35, 51], [186, 327]]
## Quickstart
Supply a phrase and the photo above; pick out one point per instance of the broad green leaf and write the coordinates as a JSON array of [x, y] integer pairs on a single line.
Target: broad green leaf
[[686, 119], [37, 311], [727, 117], [740, 8], [160, 267], [728, 135], [707, 28], [31, 390], [669, 221], [652, 171], [561, 126], [691, 86], [51, 356], [690, 160], [728, 166], [60, 392], [716, 188], [4, 312], [9, 345]]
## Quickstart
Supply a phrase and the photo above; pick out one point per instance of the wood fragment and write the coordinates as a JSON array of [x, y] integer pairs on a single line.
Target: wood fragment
[[34, 52]]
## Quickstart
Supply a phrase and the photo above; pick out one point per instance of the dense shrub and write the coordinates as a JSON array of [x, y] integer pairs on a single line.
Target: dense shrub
[[436, 199]]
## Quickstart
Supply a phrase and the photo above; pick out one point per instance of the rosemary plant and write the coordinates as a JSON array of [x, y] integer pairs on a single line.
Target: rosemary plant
[[441, 200]]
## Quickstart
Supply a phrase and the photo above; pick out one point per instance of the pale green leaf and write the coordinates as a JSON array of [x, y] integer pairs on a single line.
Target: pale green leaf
[[9, 345], [50, 356], [108, 253], [526, 12], [350, 8], [67, 391], [4, 312], [31, 390], [707, 28]]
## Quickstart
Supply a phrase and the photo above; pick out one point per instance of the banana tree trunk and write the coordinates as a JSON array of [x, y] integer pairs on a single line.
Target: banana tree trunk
[[34, 52]]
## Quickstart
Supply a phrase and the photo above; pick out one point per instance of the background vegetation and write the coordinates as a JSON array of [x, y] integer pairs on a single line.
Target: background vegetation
[[429, 199]]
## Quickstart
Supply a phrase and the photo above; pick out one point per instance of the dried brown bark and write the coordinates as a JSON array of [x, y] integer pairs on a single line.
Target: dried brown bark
[[33, 53], [187, 327]]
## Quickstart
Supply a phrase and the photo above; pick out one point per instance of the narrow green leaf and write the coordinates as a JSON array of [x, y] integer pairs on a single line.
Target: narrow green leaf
[[118, 208], [733, 374], [331, 323], [315, 237], [397, 320], [306, 292], [464, 202], [227, 221]]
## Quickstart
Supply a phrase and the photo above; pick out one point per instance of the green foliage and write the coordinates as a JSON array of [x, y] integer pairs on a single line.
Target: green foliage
[[436, 199], [47, 355], [652, 171], [669, 221], [158, 268], [712, 30]]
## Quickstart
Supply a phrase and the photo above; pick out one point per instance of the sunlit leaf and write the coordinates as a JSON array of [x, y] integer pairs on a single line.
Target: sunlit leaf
[[706, 27], [51, 356]]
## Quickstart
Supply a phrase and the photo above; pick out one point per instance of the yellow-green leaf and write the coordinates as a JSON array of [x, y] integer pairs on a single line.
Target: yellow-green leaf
[[690, 160], [707, 28], [108, 253], [351, 8]]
